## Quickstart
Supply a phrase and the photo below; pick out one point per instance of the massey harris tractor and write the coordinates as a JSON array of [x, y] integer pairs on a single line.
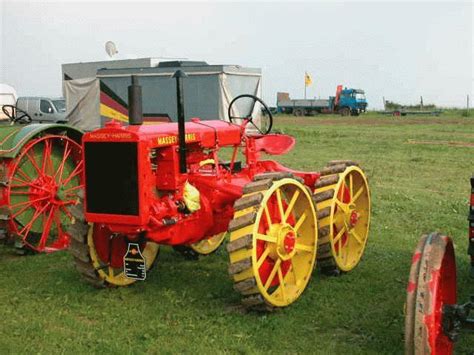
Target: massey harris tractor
[[147, 185], [433, 319], [40, 176]]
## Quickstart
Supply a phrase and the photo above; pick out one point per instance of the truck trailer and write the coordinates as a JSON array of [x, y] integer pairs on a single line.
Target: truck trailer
[[346, 102]]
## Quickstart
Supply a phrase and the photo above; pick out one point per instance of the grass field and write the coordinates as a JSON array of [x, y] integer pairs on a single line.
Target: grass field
[[419, 170]]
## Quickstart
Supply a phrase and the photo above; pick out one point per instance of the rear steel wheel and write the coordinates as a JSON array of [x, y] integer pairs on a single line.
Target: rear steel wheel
[[432, 284], [343, 206], [44, 180], [98, 253], [273, 241]]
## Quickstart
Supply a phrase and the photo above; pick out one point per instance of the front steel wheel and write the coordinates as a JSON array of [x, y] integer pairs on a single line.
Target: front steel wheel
[[99, 254]]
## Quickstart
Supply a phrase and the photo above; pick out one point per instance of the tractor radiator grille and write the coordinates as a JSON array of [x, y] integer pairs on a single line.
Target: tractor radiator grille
[[111, 178]]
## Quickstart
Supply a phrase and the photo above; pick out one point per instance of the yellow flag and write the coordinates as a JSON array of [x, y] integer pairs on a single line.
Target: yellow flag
[[307, 79]]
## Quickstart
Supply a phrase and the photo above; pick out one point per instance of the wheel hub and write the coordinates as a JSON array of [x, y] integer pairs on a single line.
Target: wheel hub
[[285, 235], [354, 218], [47, 190]]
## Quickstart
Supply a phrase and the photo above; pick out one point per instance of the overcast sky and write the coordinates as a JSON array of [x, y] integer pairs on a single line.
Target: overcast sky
[[398, 50]]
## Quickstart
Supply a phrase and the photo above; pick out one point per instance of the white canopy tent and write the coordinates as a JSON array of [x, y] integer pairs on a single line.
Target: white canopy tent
[[208, 91]]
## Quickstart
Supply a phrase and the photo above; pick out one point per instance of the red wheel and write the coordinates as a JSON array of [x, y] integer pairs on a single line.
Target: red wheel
[[43, 180], [432, 284]]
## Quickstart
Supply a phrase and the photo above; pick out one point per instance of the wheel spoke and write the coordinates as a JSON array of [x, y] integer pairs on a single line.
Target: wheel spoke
[[33, 162], [339, 247], [291, 205], [300, 222], [66, 212], [280, 205], [272, 274], [358, 193], [303, 247], [46, 228], [29, 225], [22, 173], [356, 236], [267, 215], [266, 238], [339, 235], [351, 186], [340, 194], [46, 156], [28, 202], [75, 172], [262, 257], [293, 270], [21, 193], [343, 206], [338, 218], [20, 211], [282, 283], [59, 171]]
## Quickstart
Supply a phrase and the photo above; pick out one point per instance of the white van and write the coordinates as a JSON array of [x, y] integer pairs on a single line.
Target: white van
[[43, 109]]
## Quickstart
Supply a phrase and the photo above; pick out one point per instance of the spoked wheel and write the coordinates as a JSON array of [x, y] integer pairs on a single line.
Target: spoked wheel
[[273, 241], [44, 180], [343, 203], [206, 246], [432, 284], [99, 254]]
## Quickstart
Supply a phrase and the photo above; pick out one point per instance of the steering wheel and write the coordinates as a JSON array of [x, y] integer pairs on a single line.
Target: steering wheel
[[267, 118], [23, 118]]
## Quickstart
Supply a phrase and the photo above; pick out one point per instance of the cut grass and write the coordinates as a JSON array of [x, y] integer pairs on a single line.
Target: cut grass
[[187, 306]]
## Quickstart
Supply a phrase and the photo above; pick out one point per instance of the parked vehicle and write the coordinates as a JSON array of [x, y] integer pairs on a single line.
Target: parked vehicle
[[434, 319], [43, 109], [148, 185], [346, 102]]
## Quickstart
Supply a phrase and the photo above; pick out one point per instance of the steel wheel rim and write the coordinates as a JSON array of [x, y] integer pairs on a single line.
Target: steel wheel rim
[[288, 277], [350, 218], [443, 286], [44, 179], [209, 245], [112, 274]]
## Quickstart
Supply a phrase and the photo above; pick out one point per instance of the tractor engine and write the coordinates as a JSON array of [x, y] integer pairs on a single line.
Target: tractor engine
[[134, 185]]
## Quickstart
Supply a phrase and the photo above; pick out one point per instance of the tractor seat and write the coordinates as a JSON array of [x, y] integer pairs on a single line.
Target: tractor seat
[[274, 144]]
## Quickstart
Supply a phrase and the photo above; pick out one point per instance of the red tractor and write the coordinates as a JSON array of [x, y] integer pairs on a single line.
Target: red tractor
[[433, 319], [147, 185]]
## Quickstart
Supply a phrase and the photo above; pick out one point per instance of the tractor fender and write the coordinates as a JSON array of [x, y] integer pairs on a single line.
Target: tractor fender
[[13, 138]]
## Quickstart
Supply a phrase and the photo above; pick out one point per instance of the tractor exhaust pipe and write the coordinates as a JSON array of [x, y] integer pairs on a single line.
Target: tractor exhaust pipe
[[179, 75], [135, 113]]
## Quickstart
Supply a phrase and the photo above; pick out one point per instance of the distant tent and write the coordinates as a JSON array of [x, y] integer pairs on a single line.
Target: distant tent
[[8, 96], [96, 92]]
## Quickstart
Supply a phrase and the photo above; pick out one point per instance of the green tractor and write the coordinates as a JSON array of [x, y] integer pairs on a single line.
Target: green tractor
[[40, 175]]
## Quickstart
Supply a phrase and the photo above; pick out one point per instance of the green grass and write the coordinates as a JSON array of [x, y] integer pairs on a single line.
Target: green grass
[[189, 306]]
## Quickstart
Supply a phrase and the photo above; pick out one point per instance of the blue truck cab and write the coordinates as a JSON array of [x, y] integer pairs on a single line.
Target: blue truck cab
[[350, 102]]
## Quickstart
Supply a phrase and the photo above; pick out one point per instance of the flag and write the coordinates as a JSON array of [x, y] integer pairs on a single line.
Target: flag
[[307, 79]]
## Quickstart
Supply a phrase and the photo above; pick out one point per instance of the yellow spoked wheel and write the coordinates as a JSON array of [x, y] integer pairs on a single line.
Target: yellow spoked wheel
[[343, 207], [273, 241], [98, 253], [209, 245]]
